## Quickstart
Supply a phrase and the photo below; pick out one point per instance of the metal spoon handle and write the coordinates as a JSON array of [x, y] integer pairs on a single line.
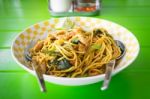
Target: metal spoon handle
[[39, 77], [109, 69]]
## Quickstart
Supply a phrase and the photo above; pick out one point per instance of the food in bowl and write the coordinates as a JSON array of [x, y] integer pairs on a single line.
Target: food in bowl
[[75, 52], [41, 29]]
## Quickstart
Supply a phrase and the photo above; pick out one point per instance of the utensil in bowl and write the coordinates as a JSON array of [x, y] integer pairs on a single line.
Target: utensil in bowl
[[35, 67], [110, 66]]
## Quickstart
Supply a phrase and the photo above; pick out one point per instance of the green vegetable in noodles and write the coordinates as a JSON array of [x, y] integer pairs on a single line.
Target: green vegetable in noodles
[[96, 46], [75, 40], [63, 64]]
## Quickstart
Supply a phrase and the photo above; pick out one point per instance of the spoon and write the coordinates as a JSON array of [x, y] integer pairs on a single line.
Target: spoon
[[110, 66], [39, 75]]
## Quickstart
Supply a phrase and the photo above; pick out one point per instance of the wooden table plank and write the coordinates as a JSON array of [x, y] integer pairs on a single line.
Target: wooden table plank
[[106, 11], [126, 11], [6, 38], [134, 24], [125, 3], [17, 24], [7, 63], [13, 8]]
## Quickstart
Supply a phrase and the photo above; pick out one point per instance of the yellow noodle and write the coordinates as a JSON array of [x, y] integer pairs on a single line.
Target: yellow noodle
[[84, 60]]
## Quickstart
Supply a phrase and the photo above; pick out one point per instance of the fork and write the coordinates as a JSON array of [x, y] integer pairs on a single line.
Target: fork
[[35, 67]]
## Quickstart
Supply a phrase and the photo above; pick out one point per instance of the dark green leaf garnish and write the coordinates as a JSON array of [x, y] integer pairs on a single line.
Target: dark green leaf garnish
[[97, 32], [49, 63], [63, 64], [53, 62], [75, 40]]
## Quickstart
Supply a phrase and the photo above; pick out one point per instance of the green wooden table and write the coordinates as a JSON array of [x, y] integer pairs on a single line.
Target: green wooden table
[[132, 83]]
